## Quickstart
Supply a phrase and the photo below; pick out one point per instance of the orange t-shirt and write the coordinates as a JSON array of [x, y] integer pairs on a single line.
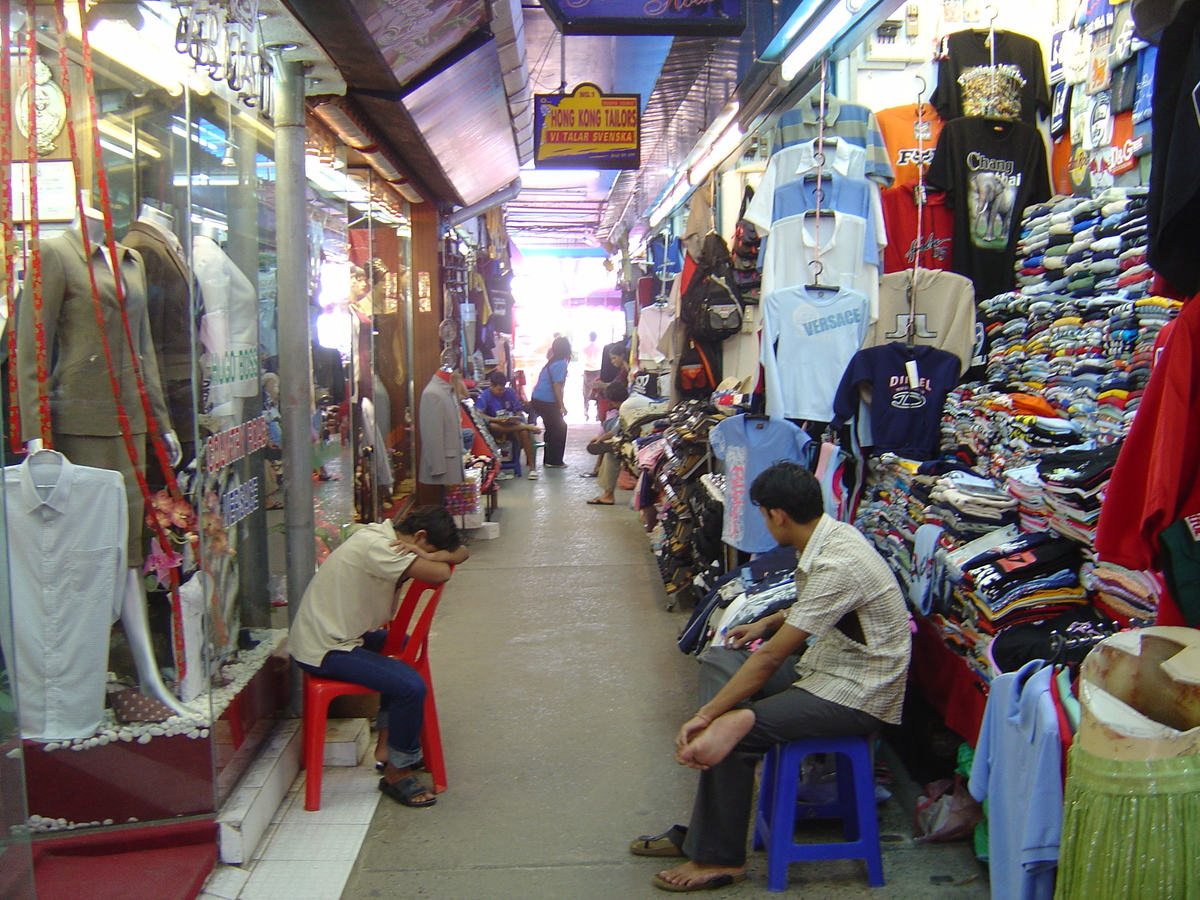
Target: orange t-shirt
[[911, 136]]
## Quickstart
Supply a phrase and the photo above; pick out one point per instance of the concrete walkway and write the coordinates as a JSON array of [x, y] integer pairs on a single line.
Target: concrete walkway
[[560, 690]]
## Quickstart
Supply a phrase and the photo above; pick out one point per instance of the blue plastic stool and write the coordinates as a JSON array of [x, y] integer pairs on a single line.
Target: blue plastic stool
[[512, 459], [775, 821]]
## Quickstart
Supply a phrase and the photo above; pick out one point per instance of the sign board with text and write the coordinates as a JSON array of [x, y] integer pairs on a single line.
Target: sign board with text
[[706, 18], [587, 129]]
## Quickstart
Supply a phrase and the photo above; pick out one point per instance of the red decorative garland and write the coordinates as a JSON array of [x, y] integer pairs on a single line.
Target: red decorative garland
[[6, 222], [110, 239], [35, 237]]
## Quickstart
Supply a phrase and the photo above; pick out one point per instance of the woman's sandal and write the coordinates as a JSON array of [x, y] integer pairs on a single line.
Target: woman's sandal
[[404, 790], [596, 501]]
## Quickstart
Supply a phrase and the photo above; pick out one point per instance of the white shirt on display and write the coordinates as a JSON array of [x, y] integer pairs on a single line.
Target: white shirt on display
[[791, 249], [67, 532]]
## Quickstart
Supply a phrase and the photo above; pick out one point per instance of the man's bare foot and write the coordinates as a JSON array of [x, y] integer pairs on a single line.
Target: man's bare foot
[[690, 875], [391, 775], [716, 741]]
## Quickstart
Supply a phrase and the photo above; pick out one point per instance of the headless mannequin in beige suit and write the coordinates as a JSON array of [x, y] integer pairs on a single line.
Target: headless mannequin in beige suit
[[79, 408]]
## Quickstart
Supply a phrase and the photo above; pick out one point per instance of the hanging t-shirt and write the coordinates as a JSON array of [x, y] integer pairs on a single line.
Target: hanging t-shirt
[[909, 386], [932, 249], [808, 337], [944, 304], [990, 171], [790, 163], [911, 133], [857, 197], [968, 85], [855, 123], [838, 242], [748, 446]]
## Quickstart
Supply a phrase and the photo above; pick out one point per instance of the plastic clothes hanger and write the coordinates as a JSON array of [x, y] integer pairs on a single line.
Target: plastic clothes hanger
[[816, 285], [45, 467]]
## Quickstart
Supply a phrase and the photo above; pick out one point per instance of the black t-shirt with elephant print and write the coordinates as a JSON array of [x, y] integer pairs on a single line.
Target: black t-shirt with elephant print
[[990, 170]]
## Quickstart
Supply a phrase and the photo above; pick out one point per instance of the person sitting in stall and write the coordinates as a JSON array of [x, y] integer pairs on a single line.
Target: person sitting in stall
[[502, 410], [340, 628], [604, 447], [849, 680]]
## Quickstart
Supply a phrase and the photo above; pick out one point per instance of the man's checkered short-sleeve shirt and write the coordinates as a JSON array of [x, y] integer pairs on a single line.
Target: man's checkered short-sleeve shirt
[[839, 572]]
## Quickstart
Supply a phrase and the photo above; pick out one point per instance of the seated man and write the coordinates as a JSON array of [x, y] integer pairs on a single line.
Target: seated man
[[339, 629], [608, 465], [849, 680], [501, 409]]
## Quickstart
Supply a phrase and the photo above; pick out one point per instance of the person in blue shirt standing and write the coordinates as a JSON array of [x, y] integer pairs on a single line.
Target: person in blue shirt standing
[[547, 401], [503, 411]]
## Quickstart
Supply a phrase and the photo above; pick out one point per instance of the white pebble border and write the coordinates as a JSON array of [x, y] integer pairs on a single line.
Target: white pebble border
[[203, 711]]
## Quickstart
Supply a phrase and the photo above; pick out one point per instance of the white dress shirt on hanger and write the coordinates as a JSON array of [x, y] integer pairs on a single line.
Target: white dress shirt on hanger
[[67, 532]]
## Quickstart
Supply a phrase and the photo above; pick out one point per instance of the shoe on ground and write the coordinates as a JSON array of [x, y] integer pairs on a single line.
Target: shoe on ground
[[555, 465], [533, 475]]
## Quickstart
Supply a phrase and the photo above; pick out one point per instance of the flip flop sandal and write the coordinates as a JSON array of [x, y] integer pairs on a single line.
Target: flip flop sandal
[[404, 790], [595, 502], [711, 885], [658, 844]]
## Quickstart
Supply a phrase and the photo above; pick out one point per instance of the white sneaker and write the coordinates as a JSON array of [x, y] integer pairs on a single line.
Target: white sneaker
[[533, 475]]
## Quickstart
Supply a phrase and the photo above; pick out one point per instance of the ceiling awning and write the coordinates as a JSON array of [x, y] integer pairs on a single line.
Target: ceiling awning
[[427, 75]]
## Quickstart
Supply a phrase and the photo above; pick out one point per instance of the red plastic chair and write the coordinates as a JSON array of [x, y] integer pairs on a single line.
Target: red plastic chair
[[319, 691]]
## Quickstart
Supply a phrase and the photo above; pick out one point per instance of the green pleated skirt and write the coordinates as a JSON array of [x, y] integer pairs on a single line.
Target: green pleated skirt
[[1131, 829]]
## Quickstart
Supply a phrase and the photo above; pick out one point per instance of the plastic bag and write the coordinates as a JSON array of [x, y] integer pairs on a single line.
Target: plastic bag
[[946, 812]]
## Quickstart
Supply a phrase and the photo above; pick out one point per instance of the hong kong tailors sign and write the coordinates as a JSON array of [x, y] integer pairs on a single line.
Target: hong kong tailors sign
[[587, 129], [712, 18]]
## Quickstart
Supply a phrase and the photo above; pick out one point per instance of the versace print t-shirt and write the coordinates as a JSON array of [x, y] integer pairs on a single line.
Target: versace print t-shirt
[[969, 85], [990, 171]]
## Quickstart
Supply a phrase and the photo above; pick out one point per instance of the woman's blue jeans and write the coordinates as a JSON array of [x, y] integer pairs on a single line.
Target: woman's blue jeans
[[401, 692]]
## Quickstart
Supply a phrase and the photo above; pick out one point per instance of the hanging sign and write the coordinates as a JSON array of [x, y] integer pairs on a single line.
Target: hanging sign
[[587, 129], [709, 18]]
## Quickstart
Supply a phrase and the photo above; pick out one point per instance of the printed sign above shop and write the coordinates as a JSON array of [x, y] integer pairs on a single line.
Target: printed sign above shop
[[587, 129], [676, 17]]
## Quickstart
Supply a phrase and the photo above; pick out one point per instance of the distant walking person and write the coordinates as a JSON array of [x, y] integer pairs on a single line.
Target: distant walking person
[[547, 401], [591, 356]]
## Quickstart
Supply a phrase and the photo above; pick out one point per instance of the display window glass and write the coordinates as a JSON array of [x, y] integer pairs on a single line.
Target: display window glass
[[173, 646], [359, 257]]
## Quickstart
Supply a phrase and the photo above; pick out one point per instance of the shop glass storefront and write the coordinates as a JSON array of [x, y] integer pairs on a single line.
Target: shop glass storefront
[[178, 611]]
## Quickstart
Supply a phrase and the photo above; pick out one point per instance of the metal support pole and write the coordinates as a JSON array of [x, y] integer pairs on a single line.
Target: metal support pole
[[295, 355]]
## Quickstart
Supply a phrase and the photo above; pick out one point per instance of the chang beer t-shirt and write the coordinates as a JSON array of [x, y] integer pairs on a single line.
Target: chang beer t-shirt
[[990, 170], [808, 338]]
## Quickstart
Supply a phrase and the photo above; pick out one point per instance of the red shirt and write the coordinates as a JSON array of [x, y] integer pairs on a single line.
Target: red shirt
[[900, 216], [1157, 477], [911, 138]]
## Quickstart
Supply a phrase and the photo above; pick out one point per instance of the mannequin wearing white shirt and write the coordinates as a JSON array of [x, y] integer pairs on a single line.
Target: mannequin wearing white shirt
[[134, 616], [230, 324]]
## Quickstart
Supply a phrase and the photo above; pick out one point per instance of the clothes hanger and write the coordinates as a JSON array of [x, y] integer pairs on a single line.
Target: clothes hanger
[[910, 329], [45, 467], [816, 285]]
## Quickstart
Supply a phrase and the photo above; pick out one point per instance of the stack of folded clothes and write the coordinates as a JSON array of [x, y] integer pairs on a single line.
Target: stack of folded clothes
[[967, 507], [1029, 579], [1128, 593], [1075, 481], [1080, 247]]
